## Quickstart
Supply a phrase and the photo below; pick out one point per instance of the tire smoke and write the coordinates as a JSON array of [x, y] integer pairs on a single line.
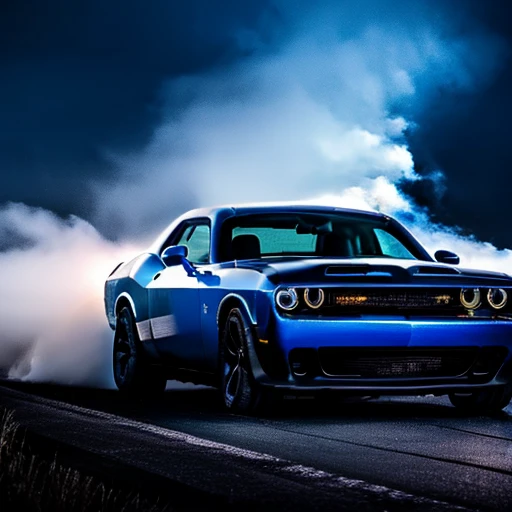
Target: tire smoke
[[52, 315]]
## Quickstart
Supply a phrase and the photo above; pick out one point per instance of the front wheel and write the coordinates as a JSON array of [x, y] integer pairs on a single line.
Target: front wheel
[[240, 391], [483, 401], [132, 373]]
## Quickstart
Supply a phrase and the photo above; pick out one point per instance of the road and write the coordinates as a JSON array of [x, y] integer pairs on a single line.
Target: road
[[390, 453]]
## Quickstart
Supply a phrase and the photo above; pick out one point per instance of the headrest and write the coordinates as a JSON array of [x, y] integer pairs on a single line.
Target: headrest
[[334, 245], [246, 247]]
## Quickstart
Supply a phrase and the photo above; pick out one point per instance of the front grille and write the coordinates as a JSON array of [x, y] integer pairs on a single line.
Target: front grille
[[398, 298], [379, 363], [411, 302]]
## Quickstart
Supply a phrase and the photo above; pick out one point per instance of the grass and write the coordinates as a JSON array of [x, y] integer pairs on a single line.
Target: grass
[[32, 482]]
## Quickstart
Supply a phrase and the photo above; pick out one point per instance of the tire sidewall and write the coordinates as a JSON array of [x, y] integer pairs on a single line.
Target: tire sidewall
[[484, 401], [125, 326], [248, 393]]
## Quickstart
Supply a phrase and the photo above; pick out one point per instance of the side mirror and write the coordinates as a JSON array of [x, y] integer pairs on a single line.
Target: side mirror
[[174, 255], [177, 255], [447, 257]]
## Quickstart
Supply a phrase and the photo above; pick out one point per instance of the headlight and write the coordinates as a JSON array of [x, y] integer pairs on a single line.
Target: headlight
[[287, 299], [314, 297], [470, 298], [497, 297]]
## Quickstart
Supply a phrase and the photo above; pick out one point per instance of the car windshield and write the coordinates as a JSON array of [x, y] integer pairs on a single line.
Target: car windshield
[[339, 235]]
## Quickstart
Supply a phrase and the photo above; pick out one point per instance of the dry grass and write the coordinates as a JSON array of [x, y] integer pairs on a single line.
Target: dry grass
[[32, 483]]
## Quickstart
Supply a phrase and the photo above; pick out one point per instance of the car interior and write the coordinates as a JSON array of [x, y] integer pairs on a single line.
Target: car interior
[[340, 244]]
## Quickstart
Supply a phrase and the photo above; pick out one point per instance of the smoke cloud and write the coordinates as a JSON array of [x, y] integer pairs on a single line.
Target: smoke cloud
[[52, 316], [322, 117], [327, 109]]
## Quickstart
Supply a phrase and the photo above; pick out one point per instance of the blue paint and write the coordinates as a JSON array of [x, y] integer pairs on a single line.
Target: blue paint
[[195, 297]]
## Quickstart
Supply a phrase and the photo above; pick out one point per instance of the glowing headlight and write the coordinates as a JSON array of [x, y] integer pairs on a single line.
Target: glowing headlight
[[287, 299], [497, 297], [314, 297], [470, 298]]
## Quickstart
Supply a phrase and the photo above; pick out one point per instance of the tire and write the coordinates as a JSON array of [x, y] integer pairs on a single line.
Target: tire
[[240, 391], [132, 373], [481, 402]]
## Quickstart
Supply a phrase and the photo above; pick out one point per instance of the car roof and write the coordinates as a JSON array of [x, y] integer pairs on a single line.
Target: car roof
[[248, 208]]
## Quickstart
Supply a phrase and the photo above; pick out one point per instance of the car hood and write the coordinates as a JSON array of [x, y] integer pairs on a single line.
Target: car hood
[[371, 270]]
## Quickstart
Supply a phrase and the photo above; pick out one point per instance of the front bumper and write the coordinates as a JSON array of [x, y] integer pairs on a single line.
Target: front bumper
[[480, 341]]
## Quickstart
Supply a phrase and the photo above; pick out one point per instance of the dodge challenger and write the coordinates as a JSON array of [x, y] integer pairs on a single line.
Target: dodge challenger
[[265, 300]]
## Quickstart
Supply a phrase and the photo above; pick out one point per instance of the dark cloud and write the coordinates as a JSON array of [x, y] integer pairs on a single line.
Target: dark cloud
[[83, 79], [466, 135]]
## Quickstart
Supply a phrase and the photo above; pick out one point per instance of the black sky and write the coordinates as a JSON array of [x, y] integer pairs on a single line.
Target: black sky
[[80, 78]]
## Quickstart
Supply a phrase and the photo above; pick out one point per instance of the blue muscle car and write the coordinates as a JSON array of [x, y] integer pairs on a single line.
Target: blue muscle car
[[265, 300]]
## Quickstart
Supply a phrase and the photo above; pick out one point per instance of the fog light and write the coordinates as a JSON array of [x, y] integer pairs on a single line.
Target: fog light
[[314, 297], [470, 298], [303, 362], [497, 297], [287, 299], [299, 368]]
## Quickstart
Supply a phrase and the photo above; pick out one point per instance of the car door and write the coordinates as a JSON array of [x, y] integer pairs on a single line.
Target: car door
[[174, 307]]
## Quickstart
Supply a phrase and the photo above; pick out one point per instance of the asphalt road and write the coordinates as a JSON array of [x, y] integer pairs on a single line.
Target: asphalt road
[[394, 448]]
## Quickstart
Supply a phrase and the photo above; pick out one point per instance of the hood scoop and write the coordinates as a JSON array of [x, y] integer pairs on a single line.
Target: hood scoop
[[425, 270], [355, 271]]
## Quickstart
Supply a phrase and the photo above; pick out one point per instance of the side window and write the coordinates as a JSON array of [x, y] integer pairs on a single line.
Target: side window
[[196, 238], [390, 246]]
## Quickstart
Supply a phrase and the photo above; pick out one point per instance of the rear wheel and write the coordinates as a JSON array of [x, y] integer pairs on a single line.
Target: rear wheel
[[240, 391], [132, 372], [484, 401]]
